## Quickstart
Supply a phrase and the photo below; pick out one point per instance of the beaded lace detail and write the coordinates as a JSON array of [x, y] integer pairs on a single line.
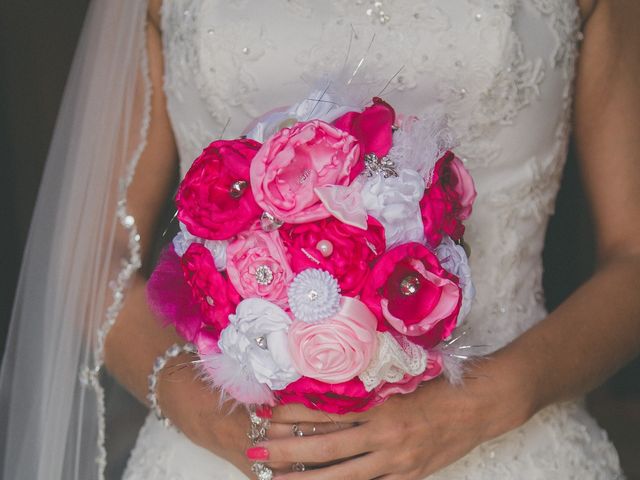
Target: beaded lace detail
[[503, 71]]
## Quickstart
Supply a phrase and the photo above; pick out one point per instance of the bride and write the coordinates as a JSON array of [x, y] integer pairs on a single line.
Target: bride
[[155, 83]]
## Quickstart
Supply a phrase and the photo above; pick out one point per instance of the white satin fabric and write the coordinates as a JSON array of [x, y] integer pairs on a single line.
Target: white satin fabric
[[503, 70]]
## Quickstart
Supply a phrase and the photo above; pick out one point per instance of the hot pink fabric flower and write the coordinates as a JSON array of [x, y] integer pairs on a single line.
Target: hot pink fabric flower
[[210, 288], [257, 266], [342, 250], [295, 161], [448, 201], [207, 202], [337, 349], [410, 292], [372, 127], [340, 398]]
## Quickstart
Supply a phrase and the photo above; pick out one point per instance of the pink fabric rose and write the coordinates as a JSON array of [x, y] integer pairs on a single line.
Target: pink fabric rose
[[337, 349], [205, 200], [372, 127], [344, 251], [410, 292], [294, 162], [210, 288], [257, 266], [448, 201]]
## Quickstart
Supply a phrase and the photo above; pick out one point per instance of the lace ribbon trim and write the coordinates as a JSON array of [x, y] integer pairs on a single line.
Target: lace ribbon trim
[[392, 361]]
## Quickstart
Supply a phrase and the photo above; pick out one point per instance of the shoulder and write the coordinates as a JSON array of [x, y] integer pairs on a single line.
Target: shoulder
[[153, 12]]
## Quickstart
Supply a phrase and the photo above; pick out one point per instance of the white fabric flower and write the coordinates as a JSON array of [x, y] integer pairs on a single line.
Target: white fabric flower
[[256, 339], [395, 203], [218, 248], [314, 295], [319, 105], [454, 260]]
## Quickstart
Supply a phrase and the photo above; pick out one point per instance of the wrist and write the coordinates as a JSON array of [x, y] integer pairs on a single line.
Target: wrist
[[503, 393]]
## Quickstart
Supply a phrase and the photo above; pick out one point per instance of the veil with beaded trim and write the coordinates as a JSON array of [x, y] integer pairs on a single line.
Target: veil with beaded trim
[[83, 247]]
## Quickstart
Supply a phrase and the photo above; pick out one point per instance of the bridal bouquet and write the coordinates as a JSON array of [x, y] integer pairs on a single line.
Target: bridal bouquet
[[320, 257]]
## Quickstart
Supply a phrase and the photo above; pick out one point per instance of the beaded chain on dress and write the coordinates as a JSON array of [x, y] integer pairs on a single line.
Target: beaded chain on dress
[[503, 69]]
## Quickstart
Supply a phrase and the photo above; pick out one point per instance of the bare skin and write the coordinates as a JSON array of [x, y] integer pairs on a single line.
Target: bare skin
[[406, 438]]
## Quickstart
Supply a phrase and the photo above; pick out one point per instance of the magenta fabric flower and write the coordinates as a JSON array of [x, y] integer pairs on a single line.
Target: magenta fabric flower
[[210, 288], [214, 201], [410, 292], [372, 127], [337, 349], [340, 398], [448, 201], [346, 252], [294, 162], [257, 265]]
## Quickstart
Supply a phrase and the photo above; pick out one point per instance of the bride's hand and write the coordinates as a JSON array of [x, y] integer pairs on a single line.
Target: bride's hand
[[195, 410], [407, 437]]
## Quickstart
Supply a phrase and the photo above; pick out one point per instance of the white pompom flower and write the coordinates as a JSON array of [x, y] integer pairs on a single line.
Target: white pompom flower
[[314, 295], [454, 260]]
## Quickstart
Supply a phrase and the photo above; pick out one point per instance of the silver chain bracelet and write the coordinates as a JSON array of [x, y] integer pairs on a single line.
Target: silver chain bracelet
[[152, 380]]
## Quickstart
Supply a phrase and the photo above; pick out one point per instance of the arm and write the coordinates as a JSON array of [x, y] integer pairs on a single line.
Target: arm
[[590, 336], [137, 337]]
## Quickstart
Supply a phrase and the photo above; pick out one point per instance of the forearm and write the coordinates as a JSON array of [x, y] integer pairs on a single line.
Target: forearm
[[591, 335], [135, 341]]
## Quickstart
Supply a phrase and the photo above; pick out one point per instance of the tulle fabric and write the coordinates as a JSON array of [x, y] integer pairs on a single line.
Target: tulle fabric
[[81, 251]]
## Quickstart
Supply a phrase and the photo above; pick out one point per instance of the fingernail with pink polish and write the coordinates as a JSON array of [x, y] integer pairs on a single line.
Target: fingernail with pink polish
[[264, 411], [257, 453]]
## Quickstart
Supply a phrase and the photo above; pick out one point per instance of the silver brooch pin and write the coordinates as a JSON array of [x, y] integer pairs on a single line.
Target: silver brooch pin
[[375, 165]]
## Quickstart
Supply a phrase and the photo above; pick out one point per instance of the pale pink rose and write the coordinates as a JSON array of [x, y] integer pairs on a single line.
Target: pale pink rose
[[294, 162], [464, 187], [337, 349], [258, 267]]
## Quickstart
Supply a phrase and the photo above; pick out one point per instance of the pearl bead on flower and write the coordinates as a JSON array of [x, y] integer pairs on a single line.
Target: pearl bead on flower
[[325, 247]]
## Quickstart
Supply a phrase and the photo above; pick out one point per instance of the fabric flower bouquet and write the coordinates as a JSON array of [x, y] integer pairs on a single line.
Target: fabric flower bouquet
[[320, 257]]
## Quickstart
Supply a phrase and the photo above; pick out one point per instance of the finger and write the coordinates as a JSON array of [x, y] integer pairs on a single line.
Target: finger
[[296, 413], [285, 430], [365, 467], [320, 448]]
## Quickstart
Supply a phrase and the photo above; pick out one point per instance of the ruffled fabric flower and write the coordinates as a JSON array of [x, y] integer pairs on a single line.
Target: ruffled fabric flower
[[337, 349], [294, 162], [340, 398], [253, 357], [448, 200], [257, 266], [210, 288], [218, 248], [454, 260], [411, 293], [395, 203], [372, 127], [214, 200], [409, 383], [314, 295], [346, 252]]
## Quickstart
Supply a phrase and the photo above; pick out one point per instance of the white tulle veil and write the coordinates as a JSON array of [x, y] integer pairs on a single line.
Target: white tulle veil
[[83, 247]]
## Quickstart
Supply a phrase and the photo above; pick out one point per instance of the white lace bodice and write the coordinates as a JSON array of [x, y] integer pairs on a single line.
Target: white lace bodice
[[503, 69]]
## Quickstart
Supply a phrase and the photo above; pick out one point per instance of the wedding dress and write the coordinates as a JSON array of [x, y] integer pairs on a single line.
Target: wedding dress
[[503, 69]]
